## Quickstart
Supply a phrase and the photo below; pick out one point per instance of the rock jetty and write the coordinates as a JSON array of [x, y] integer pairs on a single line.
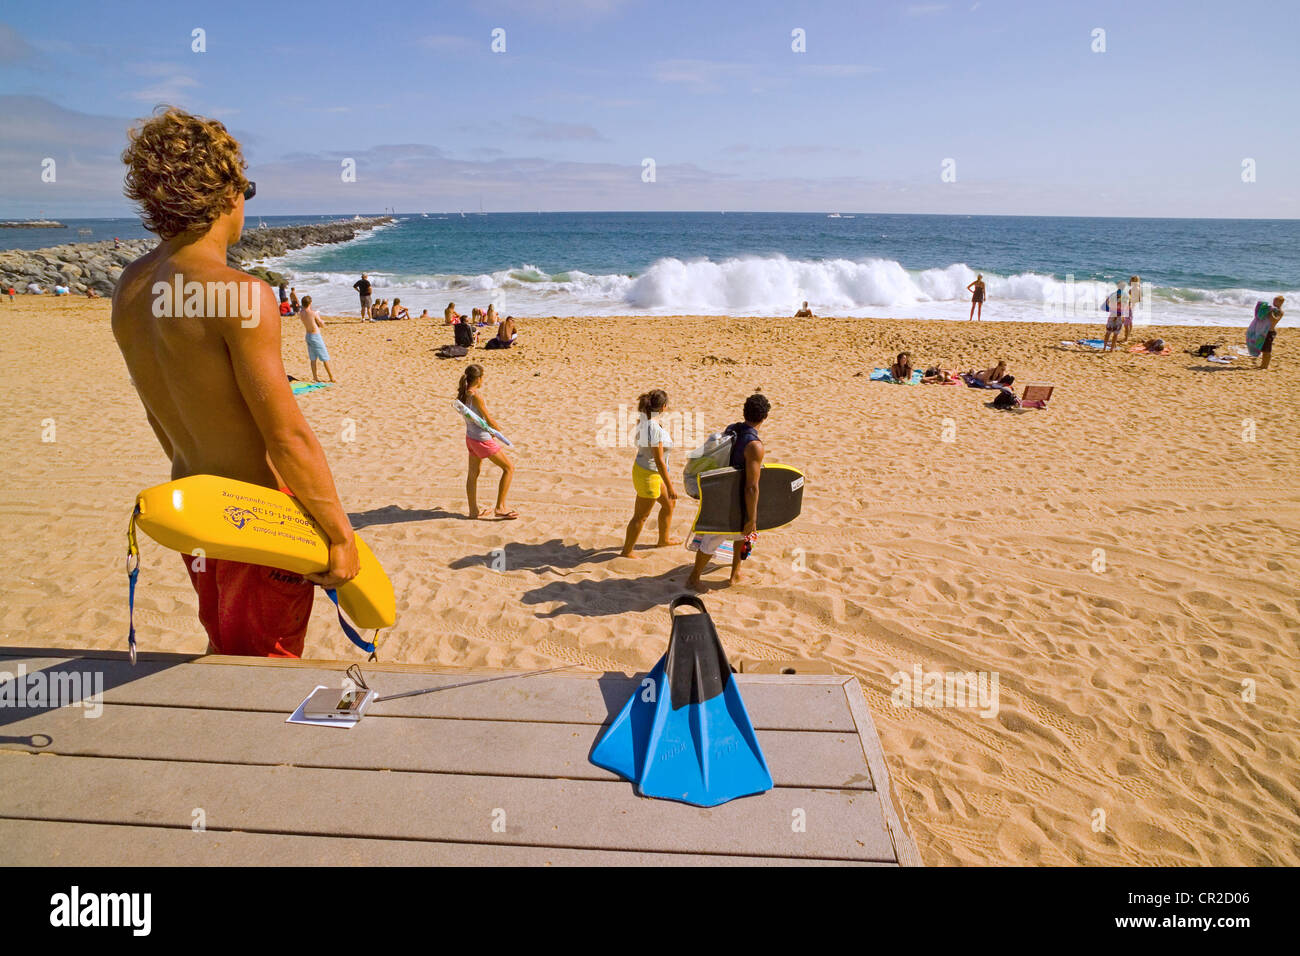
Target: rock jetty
[[82, 266]]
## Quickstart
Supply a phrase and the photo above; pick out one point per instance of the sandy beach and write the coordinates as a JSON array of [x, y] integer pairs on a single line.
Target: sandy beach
[[1123, 561]]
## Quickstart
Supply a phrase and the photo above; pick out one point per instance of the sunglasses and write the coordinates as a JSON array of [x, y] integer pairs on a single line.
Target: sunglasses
[[251, 191]]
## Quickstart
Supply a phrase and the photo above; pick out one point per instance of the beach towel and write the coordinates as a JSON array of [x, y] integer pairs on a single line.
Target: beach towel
[[1092, 343], [1143, 350], [973, 382], [882, 375], [1259, 328], [299, 387]]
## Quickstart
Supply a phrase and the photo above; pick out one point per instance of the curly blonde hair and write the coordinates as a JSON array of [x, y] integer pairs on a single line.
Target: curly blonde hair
[[181, 169]]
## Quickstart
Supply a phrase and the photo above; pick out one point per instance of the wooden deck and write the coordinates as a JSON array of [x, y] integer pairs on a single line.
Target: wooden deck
[[494, 773]]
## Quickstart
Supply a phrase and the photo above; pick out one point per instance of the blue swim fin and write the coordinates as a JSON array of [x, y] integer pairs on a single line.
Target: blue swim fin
[[685, 734]]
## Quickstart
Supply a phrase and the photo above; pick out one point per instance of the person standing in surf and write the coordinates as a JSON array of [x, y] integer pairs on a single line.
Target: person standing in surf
[[483, 444], [1134, 304], [650, 475], [976, 290], [362, 286], [746, 454]]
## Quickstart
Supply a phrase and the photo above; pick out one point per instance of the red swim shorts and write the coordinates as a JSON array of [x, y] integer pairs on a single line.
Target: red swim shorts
[[482, 449], [251, 610]]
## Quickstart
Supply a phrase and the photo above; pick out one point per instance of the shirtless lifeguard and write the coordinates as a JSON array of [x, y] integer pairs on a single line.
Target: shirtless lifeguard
[[213, 385]]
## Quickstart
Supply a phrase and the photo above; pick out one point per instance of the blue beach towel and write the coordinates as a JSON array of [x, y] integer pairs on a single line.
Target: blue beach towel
[[882, 375], [1092, 343], [299, 387]]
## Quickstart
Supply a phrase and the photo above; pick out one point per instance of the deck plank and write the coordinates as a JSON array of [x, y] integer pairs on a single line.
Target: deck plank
[[804, 703], [500, 748], [51, 843], [577, 814]]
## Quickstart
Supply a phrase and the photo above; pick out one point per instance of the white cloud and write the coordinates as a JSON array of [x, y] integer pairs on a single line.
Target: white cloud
[[703, 76]]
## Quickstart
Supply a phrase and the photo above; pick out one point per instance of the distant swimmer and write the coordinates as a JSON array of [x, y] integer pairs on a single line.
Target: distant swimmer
[[976, 290], [804, 313], [362, 286], [316, 350], [214, 386]]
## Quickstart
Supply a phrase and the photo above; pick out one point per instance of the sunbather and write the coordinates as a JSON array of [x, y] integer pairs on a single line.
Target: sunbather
[[901, 370]]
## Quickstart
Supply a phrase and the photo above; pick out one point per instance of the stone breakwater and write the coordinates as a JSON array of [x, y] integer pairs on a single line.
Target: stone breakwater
[[82, 266]]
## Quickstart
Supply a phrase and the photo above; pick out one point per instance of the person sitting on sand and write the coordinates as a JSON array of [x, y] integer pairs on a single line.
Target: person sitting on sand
[[449, 314], [976, 290], [804, 313], [316, 350], [490, 317], [214, 388], [1115, 323], [400, 311], [505, 336], [424, 314], [90, 293], [650, 475], [476, 316], [482, 444], [380, 311], [746, 453], [1275, 316], [901, 370]]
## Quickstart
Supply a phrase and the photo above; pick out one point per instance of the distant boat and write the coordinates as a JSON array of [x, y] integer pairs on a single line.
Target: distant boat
[[424, 215], [85, 232], [834, 215]]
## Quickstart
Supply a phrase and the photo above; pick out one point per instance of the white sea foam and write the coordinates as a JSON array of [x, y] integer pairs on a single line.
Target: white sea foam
[[775, 286]]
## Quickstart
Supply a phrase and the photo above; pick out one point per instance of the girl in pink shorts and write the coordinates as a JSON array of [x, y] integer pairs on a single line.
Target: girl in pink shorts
[[481, 445]]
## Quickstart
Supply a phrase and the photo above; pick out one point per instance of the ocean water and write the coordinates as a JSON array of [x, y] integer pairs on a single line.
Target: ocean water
[[1194, 271]]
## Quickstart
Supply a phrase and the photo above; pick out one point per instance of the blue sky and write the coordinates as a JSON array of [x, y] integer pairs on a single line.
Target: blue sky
[[1036, 122]]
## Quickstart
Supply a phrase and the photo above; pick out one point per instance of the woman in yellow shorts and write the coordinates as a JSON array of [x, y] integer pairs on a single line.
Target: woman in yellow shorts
[[650, 472]]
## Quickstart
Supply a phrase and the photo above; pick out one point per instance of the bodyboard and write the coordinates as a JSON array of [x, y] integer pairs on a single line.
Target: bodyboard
[[780, 499]]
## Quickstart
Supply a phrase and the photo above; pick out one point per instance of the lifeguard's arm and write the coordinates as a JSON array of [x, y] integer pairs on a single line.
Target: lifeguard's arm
[[159, 433], [753, 470], [291, 445]]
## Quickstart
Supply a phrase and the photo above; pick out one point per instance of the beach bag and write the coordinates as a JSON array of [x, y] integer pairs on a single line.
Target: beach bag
[[452, 351], [1006, 399], [713, 454]]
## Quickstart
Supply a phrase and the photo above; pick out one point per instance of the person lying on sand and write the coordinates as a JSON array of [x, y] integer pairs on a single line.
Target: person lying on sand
[[650, 475], [483, 444], [214, 387], [935, 375], [746, 453], [993, 376]]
